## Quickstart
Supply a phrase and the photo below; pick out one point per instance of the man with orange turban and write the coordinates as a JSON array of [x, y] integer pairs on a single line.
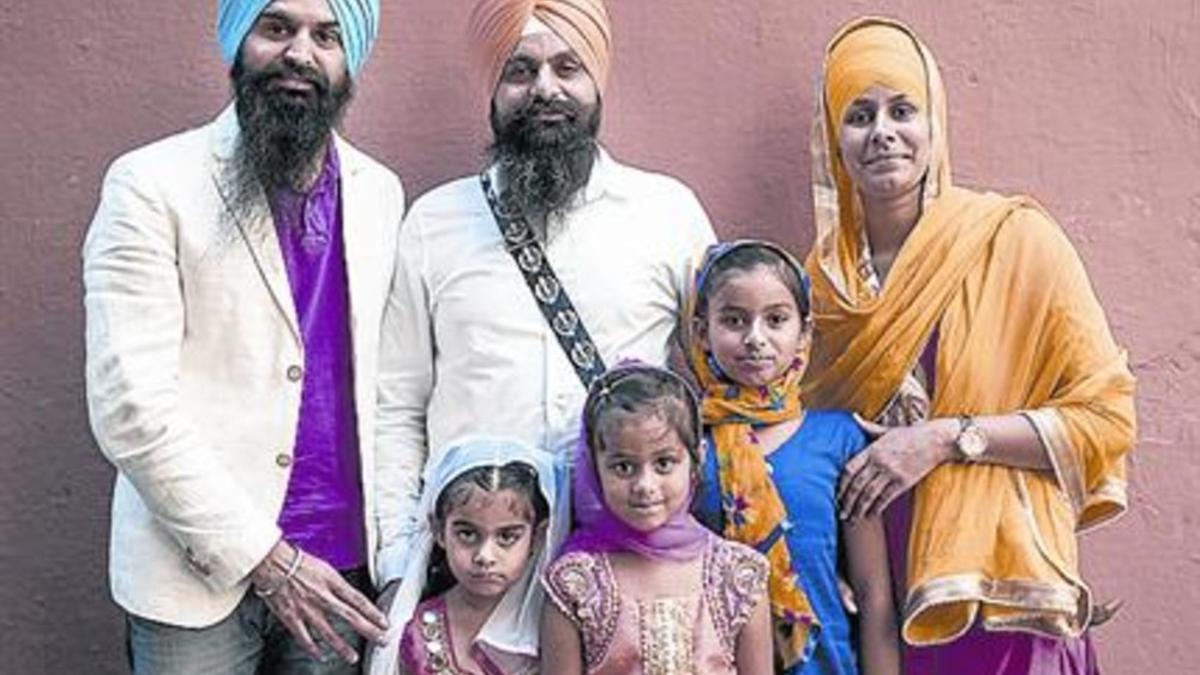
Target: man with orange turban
[[477, 338]]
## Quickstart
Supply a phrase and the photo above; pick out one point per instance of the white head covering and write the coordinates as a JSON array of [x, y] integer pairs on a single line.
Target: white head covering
[[512, 630]]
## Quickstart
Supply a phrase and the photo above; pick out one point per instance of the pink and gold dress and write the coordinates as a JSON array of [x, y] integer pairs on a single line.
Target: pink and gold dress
[[693, 634]]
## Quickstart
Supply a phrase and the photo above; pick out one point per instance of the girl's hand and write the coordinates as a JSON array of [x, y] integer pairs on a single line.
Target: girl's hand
[[892, 464]]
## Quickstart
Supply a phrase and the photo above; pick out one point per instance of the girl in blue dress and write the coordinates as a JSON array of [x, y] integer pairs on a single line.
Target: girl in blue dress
[[771, 478]]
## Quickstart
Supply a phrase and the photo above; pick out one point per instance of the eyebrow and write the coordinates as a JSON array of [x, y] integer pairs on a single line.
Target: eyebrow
[[288, 19]]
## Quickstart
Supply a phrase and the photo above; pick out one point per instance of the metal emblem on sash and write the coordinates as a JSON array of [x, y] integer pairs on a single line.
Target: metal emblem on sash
[[553, 300], [583, 355], [546, 289], [529, 258], [565, 322]]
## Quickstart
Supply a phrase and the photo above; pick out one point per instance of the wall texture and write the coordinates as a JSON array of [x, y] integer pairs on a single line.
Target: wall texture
[[1091, 105]]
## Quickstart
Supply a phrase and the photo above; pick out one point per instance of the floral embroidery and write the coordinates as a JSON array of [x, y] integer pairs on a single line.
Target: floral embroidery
[[582, 585], [735, 580]]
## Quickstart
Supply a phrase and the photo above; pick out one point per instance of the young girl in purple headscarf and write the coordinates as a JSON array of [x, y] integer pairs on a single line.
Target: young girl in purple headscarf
[[641, 586]]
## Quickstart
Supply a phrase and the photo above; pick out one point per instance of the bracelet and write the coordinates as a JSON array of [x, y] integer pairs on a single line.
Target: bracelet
[[290, 574]]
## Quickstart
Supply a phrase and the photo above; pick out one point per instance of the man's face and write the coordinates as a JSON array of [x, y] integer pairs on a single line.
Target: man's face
[[297, 46], [544, 90], [291, 86]]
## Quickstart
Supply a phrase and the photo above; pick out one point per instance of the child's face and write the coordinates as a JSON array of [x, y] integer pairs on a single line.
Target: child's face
[[645, 471], [753, 327], [488, 541]]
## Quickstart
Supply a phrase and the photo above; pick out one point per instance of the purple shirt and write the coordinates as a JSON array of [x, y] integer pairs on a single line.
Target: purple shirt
[[323, 510]]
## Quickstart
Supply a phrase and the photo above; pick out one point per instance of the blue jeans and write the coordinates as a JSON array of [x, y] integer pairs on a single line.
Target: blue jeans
[[250, 641]]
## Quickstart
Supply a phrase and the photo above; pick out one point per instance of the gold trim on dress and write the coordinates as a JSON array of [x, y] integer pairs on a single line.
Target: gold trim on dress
[[1049, 606], [1062, 456], [1107, 502], [665, 628]]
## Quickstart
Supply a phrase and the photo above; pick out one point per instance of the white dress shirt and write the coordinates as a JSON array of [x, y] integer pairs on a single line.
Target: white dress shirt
[[465, 349]]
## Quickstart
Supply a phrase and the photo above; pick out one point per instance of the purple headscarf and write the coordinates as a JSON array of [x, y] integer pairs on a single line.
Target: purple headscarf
[[599, 530]]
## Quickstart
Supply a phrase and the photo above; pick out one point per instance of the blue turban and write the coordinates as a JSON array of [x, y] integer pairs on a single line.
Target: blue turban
[[358, 19]]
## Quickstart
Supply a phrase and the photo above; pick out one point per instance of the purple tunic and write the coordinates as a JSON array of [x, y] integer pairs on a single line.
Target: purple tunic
[[978, 651], [323, 509]]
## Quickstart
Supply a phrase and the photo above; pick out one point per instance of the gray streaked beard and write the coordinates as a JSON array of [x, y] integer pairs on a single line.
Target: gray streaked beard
[[282, 137], [543, 166]]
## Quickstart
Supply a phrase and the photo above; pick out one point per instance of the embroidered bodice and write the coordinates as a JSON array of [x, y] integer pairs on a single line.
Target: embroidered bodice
[[693, 634], [427, 646]]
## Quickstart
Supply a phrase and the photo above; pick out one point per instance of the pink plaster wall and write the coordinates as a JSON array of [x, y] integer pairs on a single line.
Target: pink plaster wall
[[1092, 105]]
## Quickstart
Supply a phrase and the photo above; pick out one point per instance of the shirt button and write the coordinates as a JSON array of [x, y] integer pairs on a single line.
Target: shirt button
[[294, 373], [283, 459]]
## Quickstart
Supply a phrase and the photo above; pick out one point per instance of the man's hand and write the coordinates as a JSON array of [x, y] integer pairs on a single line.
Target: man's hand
[[313, 593]]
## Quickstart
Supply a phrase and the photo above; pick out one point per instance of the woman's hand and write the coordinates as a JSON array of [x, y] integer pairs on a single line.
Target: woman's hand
[[897, 459]]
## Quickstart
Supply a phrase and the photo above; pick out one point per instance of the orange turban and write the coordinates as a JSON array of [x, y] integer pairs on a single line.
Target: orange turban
[[873, 54], [496, 27]]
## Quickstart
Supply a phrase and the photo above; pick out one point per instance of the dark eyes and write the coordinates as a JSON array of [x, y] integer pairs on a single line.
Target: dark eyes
[[567, 68], [665, 464], [902, 111], [777, 320], [273, 28], [863, 115], [621, 468], [325, 37], [328, 37], [509, 537], [859, 116], [525, 70], [518, 71]]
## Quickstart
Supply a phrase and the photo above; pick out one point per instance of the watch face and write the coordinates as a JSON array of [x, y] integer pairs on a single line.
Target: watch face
[[972, 441]]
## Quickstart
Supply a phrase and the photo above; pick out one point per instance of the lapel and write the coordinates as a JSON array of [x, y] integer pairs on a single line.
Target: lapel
[[358, 244], [257, 228]]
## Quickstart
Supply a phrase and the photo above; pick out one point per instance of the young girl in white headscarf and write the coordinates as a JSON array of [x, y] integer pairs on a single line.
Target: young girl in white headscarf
[[468, 602]]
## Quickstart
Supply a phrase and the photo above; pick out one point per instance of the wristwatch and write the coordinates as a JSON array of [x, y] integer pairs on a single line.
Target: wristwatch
[[972, 440]]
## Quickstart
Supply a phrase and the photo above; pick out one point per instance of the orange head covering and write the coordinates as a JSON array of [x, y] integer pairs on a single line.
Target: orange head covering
[[865, 52], [496, 27], [874, 54]]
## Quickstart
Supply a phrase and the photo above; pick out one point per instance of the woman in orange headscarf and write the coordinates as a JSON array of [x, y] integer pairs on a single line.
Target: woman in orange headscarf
[[963, 326]]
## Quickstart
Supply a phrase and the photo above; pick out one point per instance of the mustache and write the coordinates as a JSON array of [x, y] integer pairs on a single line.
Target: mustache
[[281, 69], [565, 107]]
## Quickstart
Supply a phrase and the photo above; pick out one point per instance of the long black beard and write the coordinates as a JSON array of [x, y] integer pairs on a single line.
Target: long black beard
[[542, 166], [283, 135]]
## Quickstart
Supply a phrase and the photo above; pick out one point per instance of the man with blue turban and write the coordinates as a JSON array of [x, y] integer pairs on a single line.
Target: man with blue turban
[[235, 280]]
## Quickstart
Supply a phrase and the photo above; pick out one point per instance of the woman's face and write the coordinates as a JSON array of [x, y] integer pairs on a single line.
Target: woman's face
[[884, 142]]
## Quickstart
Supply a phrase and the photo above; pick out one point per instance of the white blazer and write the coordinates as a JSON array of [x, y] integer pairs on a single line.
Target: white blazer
[[194, 365]]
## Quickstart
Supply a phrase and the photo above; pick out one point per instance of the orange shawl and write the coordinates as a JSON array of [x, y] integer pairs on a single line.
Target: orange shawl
[[1019, 330]]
